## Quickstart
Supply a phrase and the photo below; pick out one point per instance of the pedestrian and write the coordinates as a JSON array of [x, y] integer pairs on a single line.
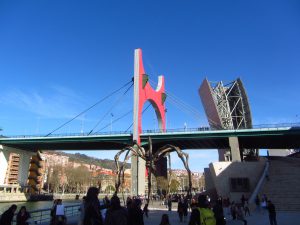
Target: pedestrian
[[185, 208], [116, 214], [272, 213], [146, 210], [81, 209], [135, 213], [202, 213], [240, 214], [243, 200], [257, 203], [8, 215], [23, 216], [226, 204], [169, 202], [53, 212], [180, 209], [164, 220], [218, 212], [246, 208], [60, 218], [92, 209], [233, 210], [128, 202]]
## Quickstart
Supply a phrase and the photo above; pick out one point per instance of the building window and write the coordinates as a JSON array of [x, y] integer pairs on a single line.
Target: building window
[[239, 184]]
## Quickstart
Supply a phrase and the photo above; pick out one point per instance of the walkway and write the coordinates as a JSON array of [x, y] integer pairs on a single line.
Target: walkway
[[283, 218]]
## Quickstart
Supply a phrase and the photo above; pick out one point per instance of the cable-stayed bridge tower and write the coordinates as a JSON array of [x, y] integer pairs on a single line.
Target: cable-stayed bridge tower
[[143, 92]]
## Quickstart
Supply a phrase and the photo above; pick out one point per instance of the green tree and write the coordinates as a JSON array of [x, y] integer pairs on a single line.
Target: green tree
[[174, 186], [110, 189]]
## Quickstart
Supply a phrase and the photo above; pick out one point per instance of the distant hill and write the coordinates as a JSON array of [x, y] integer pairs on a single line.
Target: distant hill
[[83, 158]]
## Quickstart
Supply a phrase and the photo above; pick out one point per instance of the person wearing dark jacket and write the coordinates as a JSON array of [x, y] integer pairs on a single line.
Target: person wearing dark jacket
[[180, 209], [272, 213], [116, 214], [135, 213], [195, 215], [8, 215], [219, 214], [92, 209], [23, 216]]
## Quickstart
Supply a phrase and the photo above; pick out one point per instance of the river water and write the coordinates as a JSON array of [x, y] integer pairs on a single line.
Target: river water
[[34, 205]]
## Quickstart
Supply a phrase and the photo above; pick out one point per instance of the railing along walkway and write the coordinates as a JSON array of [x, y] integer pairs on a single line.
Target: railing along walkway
[[42, 216]]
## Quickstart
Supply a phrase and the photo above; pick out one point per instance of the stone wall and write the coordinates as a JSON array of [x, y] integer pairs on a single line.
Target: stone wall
[[221, 172]]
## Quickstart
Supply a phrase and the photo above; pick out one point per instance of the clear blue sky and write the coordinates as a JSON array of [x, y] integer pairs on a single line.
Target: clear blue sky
[[59, 57]]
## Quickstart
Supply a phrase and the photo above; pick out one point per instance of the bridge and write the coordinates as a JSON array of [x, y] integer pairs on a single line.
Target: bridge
[[282, 136]]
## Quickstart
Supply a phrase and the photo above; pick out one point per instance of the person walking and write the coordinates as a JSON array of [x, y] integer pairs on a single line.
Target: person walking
[[202, 213], [185, 208], [272, 213], [92, 210], [246, 208], [146, 210], [8, 215], [135, 213], [233, 210], [180, 209], [240, 214], [164, 220], [81, 209], [116, 214], [23, 216], [218, 212], [169, 202], [257, 203]]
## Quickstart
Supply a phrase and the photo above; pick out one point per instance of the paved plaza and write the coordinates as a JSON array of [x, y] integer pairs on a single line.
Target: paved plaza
[[283, 218]]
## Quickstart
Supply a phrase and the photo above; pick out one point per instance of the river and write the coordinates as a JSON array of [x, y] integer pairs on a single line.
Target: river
[[34, 205]]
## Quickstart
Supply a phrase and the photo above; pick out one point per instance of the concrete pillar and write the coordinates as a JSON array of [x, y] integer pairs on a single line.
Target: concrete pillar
[[222, 153], [235, 149], [138, 169], [24, 168], [4, 158]]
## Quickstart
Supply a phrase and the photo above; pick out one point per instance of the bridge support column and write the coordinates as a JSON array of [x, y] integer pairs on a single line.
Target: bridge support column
[[24, 168], [4, 159], [235, 149], [138, 169]]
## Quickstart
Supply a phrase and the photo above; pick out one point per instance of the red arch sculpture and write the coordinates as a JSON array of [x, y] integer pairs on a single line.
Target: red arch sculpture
[[144, 92]]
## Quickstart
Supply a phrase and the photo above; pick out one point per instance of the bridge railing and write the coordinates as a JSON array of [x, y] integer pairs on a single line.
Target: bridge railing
[[203, 128], [43, 215]]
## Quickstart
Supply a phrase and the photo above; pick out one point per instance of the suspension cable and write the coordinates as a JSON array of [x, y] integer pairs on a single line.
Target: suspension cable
[[111, 108], [181, 104], [84, 111], [121, 117], [142, 114], [184, 106]]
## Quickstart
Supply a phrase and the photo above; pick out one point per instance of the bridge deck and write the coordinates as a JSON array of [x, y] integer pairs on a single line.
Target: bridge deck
[[274, 138]]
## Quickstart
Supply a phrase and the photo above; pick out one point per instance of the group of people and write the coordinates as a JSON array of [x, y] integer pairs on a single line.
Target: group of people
[[92, 213], [266, 205], [8, 215], [110, 212]]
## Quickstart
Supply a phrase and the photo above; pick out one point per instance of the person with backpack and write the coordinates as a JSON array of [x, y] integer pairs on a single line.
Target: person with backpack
[[202, 215]]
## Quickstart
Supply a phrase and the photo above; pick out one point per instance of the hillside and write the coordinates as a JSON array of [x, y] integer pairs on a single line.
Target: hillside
[[83, 158]]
